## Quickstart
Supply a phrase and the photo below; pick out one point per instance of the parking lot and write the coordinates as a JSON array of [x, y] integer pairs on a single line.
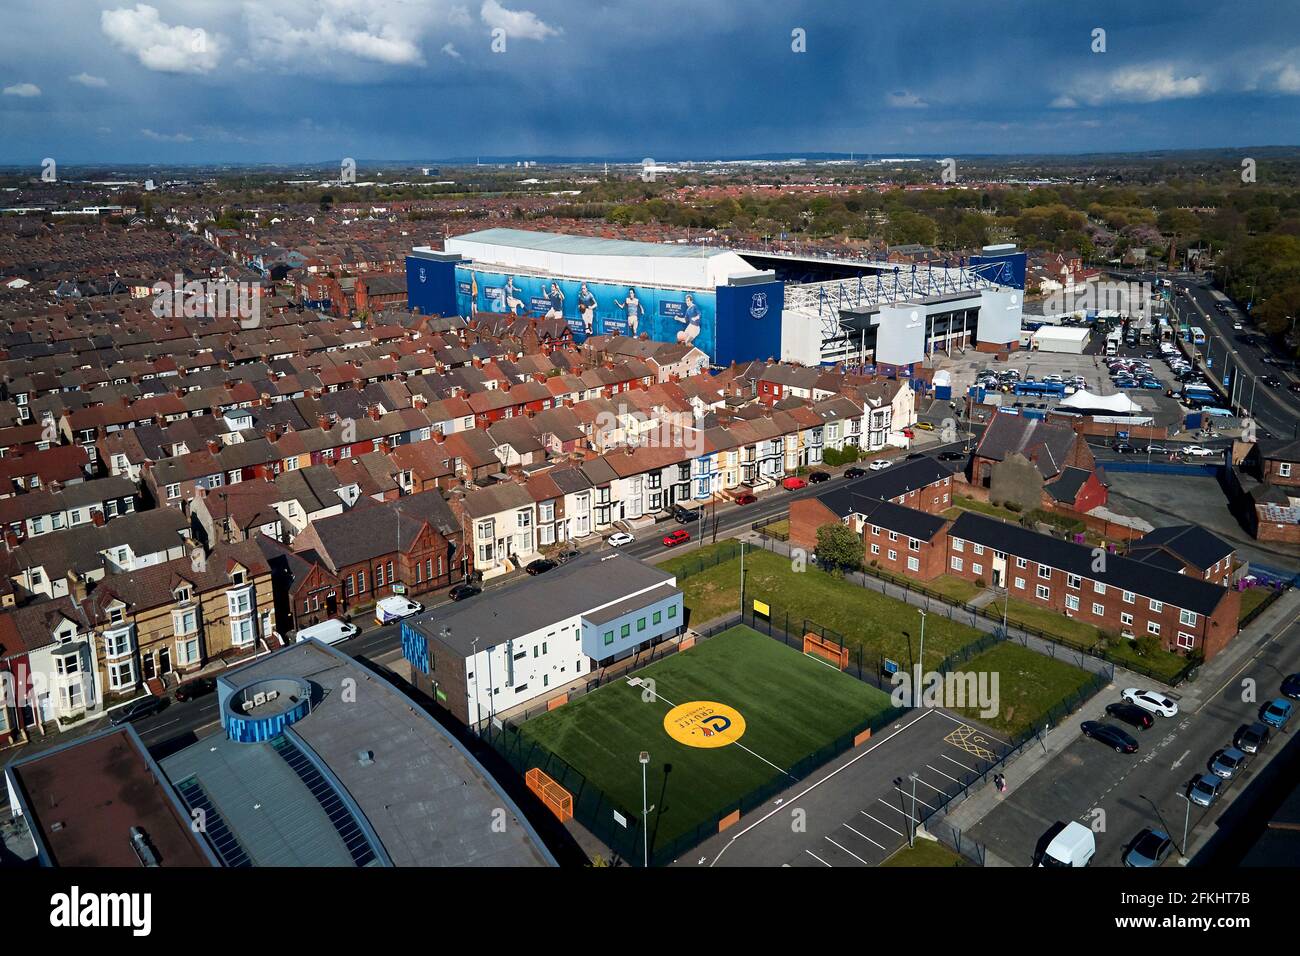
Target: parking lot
[[857, 811]]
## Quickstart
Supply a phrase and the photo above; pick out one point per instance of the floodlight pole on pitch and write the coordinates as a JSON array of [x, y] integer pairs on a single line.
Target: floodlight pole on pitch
[[645, 813]]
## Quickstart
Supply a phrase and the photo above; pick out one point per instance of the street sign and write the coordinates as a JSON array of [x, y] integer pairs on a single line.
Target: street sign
[[1122, 434]]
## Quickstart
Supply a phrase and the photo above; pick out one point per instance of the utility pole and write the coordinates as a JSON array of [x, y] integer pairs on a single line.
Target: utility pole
[[645, 812]]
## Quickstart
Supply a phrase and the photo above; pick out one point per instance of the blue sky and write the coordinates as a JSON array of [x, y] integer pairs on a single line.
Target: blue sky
[[298, 81]]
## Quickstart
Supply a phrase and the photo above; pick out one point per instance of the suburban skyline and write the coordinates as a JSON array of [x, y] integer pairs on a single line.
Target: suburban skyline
[[198, 81]]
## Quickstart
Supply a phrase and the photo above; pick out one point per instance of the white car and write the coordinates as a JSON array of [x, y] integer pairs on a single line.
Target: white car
[[880, 464], [1237, 326], [1199, 451], [395, 608], [1150, 700], [618, 539]]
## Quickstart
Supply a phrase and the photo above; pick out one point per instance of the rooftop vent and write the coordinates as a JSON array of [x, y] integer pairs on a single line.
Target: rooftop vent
[[365, 757], [143, 849]]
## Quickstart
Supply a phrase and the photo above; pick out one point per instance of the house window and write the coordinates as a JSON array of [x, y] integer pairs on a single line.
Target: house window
[[187, 651], [1128, 597], [875, 549], [1185, 640], [1157, 606], [1126, 619], [1187, 618], [1021, 563], [957, 543], [379, 576], [1020, 584], [1099, 587], [1045, 572], [1073, 581], [893, 556], [121, 674], [672, 611], [241, 632], [658, 617], [640, 624], [184, 622], [609, 637], [979, 549], [1153, 627], [1072, 602], [913, 564], [361, 582], [173, 491], [1284, 469], [1099, 610], [956, 564], [625, 631], [1043, 592]]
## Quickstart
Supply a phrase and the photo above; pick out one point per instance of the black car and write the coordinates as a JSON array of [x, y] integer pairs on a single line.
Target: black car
[[1291, 686], [952, 456], [1295, 387], [196, 688], [466, 589], [817, 477], [685, 515], [854, 472], [1272, 381], [1122, 448], [141, 708], [1131, 714], [1251, 738], [1110, 735], [541, 566]]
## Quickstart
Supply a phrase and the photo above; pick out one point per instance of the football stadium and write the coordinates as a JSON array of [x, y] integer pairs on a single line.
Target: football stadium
[[725, 724], [734, 305]]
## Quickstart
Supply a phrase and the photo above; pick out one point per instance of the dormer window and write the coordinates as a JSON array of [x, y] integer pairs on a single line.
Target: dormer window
[[182, 594], [237, 576], [115, 615]]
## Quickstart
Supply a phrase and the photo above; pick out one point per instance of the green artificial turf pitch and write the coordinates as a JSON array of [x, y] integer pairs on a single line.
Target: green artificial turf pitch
[[793, 706]]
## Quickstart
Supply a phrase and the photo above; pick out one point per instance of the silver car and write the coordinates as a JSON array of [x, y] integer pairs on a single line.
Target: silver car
[[1227, 762], [1204, 790]]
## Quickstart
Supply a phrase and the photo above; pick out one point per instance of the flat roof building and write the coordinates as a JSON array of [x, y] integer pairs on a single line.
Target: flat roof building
[[481, 657]]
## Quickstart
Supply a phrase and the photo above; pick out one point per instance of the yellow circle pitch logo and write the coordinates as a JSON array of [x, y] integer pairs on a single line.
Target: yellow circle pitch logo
[[705, 724]]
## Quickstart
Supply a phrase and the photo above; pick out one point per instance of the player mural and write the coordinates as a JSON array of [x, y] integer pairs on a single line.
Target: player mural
[[594, 308]]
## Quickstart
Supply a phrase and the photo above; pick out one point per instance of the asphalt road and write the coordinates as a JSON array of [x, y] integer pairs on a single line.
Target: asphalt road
[[1145, 789]]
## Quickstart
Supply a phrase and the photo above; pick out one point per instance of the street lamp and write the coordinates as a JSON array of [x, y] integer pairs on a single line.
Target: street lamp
[[473, 656], [920, 659], [911, 837], [645, 812], [1187, 819]]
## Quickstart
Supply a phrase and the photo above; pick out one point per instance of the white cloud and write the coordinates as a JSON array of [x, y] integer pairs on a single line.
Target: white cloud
[[158, 46], [166, 137], [85, 79], [905, 100], [450, 50], [1135, 84], [518, 24], [23, 89]]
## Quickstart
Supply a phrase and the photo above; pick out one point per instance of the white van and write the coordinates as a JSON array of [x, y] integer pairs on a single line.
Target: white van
[[395, 608], [328, 632], [1073, 846]]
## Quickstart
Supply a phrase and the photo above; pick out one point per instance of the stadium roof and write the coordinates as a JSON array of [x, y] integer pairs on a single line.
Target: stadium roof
[[587, 245]]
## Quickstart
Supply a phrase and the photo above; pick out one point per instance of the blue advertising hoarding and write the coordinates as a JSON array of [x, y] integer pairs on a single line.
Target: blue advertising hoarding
[[594, 308]]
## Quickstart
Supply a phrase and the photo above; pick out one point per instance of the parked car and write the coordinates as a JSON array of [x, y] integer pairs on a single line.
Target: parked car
[[1131, 714], [1277, 713], [1157, 450], [880, 464], [1272, 381], [1204, 790], [1149, 848], [674, 538], [564, 557], [1291, 686], [144, 707], [685, 515], [952, 456], [747, 498], [196, 688], [1226, 762], [1110, 735], [1150, 700], [395, 609], [618, 539], [466, 589], [817, 477], [1199, 451], [1122, 448], [541, 566], [794, 484], [924, 426], [854, 472], [1252, 738]]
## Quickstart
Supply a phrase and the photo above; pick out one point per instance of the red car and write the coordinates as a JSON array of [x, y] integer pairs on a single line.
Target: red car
[[676, 537], [794, 484], [746, 499]]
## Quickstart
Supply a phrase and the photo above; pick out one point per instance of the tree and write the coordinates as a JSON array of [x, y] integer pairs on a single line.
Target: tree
[[838, 547]]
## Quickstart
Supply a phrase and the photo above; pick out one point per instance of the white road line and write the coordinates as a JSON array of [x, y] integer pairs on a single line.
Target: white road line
[[927, 783], [848, 851], [794, 800], [941, 773], [881, 822], [817, 858], [958, 763], [896, 810], [918, 799], [865, 837]]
